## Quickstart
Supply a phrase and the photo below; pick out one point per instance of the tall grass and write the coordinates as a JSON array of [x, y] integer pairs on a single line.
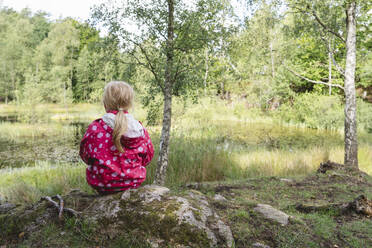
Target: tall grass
[[210, 141], [30, 183]]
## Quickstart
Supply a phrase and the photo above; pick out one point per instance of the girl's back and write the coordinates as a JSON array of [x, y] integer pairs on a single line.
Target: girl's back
[[116, 147]]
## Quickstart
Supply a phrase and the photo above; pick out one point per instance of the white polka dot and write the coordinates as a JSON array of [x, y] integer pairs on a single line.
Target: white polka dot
[[95, 168], [100, 145], [107, 135], [106, 141], [93, 176], [100, 161], [140, 149], [99, 135], [114, 174], [90, 146], [127, 181], [89, 168], [95, 149], [105, 127], [112, 148], [127, 161], [135, 180], [122, 174], [94, 128], [108, 185], [101, 171], [114, 158], [128, 171], [108, 162], [100, 185]]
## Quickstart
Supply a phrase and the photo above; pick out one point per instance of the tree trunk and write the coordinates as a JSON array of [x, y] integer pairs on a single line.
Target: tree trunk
[[167, 113], [206, 72], [351, 143], [272, 61], [329, 68]]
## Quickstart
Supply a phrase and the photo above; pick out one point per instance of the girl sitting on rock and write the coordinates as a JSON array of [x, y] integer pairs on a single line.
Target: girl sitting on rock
[[116, 147]]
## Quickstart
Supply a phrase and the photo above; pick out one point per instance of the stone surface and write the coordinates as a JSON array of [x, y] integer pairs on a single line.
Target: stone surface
[[178, 220], [165, 218], [273, 214], [287, 180], [218, 197], [6, 207], [259, 245]]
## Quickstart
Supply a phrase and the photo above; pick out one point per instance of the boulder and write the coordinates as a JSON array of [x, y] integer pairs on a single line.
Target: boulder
[[162, 217], [273, 214], [167, 218]]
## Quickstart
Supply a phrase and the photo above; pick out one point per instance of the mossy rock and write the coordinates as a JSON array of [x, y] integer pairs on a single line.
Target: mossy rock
[[157, 213], [151, 213]]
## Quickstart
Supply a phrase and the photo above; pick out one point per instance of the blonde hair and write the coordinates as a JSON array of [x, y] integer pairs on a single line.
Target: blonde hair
[[118, 96]]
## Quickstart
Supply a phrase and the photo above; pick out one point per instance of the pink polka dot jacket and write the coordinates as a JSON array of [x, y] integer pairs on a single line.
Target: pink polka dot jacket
[[108, 169]]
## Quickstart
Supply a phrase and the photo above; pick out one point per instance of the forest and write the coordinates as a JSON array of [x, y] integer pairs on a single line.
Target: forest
[[274, 57], [242, 99]]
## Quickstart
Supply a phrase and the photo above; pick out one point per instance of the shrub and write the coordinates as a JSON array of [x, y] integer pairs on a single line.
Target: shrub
[[315, 111]]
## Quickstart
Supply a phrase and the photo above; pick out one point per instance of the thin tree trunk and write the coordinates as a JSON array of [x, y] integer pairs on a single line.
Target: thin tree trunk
[[206, 71], [167, 113], [329, 68], [351, 142], [272, 61]]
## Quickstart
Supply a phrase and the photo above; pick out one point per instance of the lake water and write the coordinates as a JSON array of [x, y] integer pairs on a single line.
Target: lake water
[[23, 144]]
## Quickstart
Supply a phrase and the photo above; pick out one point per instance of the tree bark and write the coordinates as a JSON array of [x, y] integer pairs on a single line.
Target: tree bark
[[351, 143], [206, 71], [329, 68], [167, 92], [272, 61]]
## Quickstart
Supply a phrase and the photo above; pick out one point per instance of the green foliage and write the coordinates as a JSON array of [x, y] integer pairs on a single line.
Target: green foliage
[[315, 111], [364, 115]]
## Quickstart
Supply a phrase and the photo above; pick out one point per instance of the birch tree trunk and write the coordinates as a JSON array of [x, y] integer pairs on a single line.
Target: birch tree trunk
[[351, 143], [272, 61], [167, 112], [329, 68], [206, 71]]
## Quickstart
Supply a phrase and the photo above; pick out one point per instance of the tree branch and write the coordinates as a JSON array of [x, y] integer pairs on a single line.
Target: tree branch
[[55, 204], [313, 13], [331, 52], [326, 27], [313, 81], [150, 66]]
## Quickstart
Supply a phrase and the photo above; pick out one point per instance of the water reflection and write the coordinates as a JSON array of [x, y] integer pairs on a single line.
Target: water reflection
[[59, 143], [9, 118]]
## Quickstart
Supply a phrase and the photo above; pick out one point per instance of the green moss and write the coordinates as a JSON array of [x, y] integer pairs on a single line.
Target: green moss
[[159, 221]]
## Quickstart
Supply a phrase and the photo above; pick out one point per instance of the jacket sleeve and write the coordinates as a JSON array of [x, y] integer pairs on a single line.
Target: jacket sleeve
[[148, 149], [86, 148]]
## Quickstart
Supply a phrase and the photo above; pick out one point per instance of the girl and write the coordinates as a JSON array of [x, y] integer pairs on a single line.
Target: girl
[[116, 147]]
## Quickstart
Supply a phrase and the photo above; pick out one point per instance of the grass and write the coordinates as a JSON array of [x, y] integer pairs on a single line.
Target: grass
[[324, 228], [211, 141], [28, 184]]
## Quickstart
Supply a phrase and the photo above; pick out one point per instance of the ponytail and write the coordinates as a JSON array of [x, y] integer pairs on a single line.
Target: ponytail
[[121, 126], [118, 96]]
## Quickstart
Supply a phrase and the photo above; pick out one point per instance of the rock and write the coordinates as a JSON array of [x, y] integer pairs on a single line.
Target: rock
[[179, 221], [259, 245], [218, 197], [164, 218], [273, 214], [287, 180], [6, 207]]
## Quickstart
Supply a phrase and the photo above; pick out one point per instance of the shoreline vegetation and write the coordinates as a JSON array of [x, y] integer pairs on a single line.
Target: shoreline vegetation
[[228, 141]]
